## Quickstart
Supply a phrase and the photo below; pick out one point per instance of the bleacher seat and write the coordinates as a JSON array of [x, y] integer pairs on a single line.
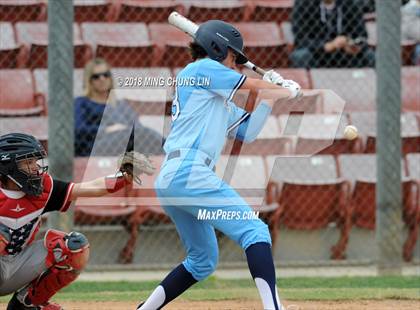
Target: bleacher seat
[[310, 196], [289, 37], [365, 122], [410, 135], [111, 209], [36, 126], [407, 46], [310, 169], [159, 123], [357, 87], [41, 82], [148, 209], [235, 170], [17, 94], [410, 81], [93, 11], [360, 170], [145, 195], [175, 55], [175, 71], [238, 169], [264, 44], [268, 142], [9, 50], [147, 11], [301, 76], [413, 165], [121, 44], [310, 102], [172, 45], [318, 133], [227, 10], [22, 10], [146, 99], [366, 125], [268, 10], [413, 172], [35, 38]]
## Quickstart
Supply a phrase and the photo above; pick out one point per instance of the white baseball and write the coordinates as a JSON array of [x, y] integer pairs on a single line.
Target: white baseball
[[350, 132]]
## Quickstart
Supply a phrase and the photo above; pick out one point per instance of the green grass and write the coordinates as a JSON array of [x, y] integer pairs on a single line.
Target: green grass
[[342, 288]]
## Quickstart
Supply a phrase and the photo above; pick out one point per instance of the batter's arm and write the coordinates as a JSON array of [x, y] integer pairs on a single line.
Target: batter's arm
[[266, 91], [248, 127]]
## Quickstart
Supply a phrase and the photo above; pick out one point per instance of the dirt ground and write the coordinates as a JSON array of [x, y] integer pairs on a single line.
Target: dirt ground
[[251, 304]]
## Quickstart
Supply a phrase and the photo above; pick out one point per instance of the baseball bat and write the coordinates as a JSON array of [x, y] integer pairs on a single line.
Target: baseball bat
[[190, 28]]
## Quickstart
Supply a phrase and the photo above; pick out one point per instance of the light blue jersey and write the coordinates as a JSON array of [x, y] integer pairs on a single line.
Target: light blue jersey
[[202, 110], [203, 116]]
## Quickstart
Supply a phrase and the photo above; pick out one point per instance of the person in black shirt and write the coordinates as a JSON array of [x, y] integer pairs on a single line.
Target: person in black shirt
[[330, 33]]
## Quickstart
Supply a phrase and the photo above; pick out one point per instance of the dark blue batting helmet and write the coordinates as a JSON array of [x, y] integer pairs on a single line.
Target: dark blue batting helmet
[[216, 36]]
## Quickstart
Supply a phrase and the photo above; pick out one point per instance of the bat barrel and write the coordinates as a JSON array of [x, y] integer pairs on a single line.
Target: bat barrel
[[183, 23]]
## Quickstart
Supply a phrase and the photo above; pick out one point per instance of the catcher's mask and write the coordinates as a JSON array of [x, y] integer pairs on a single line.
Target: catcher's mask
[[22, 160]]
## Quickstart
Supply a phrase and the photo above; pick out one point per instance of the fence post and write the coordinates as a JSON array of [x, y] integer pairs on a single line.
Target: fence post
[[388, 145], [60, 102]]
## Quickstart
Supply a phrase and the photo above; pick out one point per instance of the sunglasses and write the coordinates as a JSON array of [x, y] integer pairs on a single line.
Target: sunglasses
[[96, 76]]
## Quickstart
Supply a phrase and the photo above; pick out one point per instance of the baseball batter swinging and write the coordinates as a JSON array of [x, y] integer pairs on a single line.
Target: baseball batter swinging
[[35, 270], [202, 117]]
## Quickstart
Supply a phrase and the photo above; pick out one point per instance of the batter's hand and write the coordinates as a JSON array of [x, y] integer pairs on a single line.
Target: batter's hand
[[275, 78], [133, 164]]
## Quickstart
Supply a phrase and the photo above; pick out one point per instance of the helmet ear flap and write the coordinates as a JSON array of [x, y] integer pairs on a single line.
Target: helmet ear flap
[[215, 47], [220, 54]]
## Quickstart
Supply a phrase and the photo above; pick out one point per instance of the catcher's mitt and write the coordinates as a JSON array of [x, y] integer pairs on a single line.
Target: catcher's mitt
[[135, 164]]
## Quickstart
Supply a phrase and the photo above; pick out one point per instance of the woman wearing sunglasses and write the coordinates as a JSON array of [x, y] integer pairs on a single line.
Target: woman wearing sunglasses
[[105, 125]]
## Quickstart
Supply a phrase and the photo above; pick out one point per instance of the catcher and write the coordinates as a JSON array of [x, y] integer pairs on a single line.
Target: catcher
[[35, 270]]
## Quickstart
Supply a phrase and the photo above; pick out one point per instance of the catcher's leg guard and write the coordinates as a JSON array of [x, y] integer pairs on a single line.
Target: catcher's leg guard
[[67, 255]]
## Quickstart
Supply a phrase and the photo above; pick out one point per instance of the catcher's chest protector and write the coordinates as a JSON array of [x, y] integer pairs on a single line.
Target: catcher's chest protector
[[23, 216]]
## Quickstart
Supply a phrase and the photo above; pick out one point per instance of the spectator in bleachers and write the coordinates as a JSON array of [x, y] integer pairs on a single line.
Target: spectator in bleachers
[[330, 33], [410, 25], [105, 122], [368, 5]]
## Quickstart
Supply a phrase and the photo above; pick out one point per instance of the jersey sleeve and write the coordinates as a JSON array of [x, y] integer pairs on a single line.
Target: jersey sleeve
[[236, 117], [250, 125], [59, 197], [222, 80]]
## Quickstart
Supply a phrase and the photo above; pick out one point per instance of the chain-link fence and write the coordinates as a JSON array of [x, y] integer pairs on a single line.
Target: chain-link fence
[[319, 208]]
